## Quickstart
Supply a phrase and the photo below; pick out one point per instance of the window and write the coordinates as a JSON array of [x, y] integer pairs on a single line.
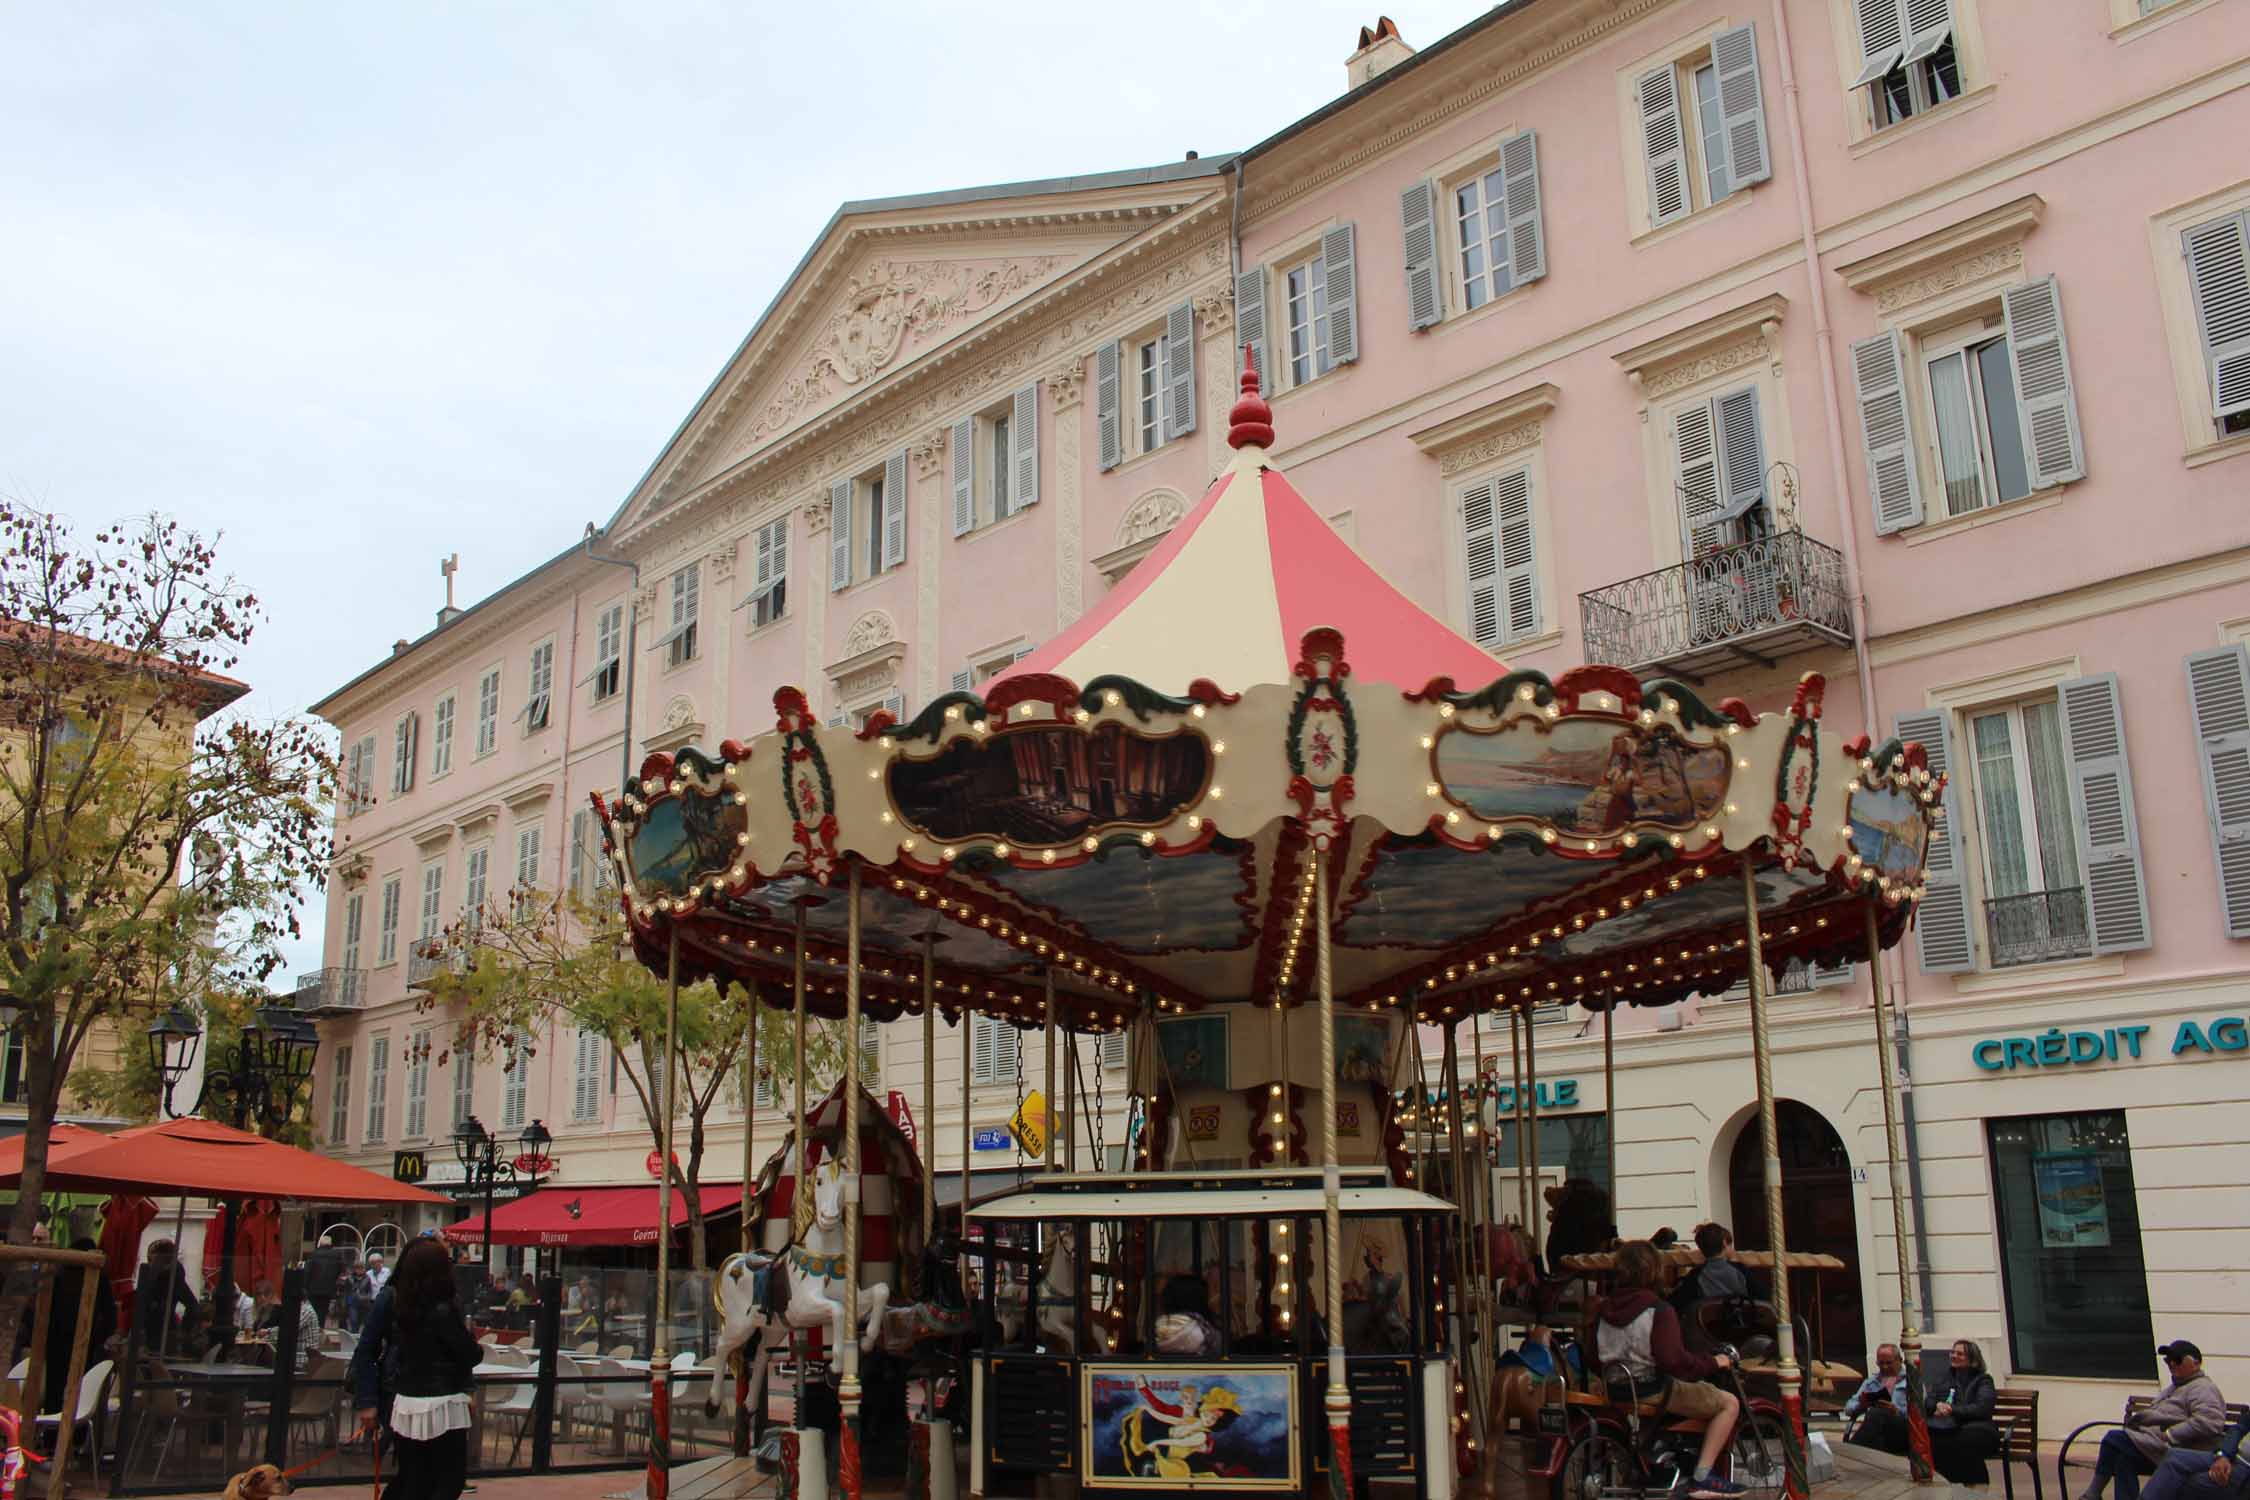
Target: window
[[359, 776], [1148, 394], [609, 653], [1500, 561], [479, 867], [2070, 1245], [1144, 389], [527, 867], [586, 1077], [488, 712], [378, 1085], [768, 599], [405, 737], [340, 1097], [995, 1050], [516, 1085], [1702, 123], [1307, 304], [1113, 1048], [464, 1084], [1000, 465], [2035, 900], [1908, 58], [433, 902], [351, 932], [870, 1050], [987, 668], [686, 593], [1981, 460], [2219, 691], [2218, 261], [418, 1086], [871, 511], [12, 1062], [895, 705], [1484, 238], [1720, 474], [386, 943], [539, 688], [585, 855], [441, 743]]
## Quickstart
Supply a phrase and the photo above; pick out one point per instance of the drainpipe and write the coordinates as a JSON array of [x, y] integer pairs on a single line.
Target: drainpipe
[[1234, 231], [1839, 481], [632, 651]]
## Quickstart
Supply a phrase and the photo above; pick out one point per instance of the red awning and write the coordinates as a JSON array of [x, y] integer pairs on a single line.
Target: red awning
[[204, 1159], [588, 1216]]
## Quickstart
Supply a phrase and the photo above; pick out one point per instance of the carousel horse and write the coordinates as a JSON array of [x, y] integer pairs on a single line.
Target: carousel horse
[[1375, 1321], [942, 1313], [1057, 1294], [762, 1298]]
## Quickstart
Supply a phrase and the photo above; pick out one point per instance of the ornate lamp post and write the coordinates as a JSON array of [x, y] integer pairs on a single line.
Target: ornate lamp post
[[479, 1151]]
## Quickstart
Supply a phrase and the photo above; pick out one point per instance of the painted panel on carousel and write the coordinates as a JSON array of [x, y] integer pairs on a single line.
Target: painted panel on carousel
[[1140, 903], [686, 839], [1430, 896], [1194, 1052], [1698, 904], [1583, 776], [1363, 1050], [1889, 830], [1172, 1427], [1049, 786]]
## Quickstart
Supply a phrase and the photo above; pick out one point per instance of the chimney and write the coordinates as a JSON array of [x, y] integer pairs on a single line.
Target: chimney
[[1380, 50], [448, 615], [401, 646]]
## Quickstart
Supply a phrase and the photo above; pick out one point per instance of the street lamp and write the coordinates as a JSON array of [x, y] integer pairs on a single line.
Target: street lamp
[[479, 1151]]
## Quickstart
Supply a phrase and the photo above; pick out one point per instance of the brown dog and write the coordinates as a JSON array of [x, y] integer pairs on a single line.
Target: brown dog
[[259, 1482]]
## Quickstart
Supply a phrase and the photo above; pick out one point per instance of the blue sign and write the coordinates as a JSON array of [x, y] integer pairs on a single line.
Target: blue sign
[[992, 1138], [2057, 1048], [1553, 1094]]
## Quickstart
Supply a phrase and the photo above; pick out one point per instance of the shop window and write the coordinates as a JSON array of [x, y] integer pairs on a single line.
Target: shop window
[[2070, 1246]]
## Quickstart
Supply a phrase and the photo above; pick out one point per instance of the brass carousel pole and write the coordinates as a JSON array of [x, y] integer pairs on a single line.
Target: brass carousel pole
[[800, 1199], [1785, 1328], [1609, 1103], [746, 1423], [1339, 1396], [1464, 1253], [1516, 1027], [847, 1345], [1479, 1197], [1909, 1336], [660, 1354], [1047, 1079], [1537, 1205], [929, 1090]]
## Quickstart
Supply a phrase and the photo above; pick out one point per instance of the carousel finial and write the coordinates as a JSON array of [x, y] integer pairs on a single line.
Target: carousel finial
[[1250, 424]]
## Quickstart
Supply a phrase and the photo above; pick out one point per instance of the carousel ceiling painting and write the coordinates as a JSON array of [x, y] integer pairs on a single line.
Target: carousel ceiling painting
[[1142, 813]]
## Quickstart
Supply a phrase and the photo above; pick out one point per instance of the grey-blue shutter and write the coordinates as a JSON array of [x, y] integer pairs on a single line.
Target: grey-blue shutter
[[894, 509], [1337, 253], [1894, 482], [1928, 24], [1696, 480], [1882, 38], [2218, 257], [1527, 231], [1178, 371], [964, 681], [2039, 358], [1250, 320], [1941, 927], [1481, 562], [1742, 106], [964, 446], [1108, 425], [1417, 208], [2109, 834], [840, 534], [1665, 146], [2219, 694], [1742, 453], [1023, 443], [1519, 555]]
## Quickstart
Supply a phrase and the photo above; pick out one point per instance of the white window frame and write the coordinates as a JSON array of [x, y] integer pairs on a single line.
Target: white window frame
[[340, 1097], [1549, 630], [417, 1121], [476, 884], [538, 709], [442, 717], [378, 1087], [1975, 333], [464, 1084], [2019, 756], [488, 711], [406, 749], [359, 776], [608, 676], [515, 1084], [394, 895], [1661, 453], [1144, 381], [683, 599], [768, 599], [355, 911], [431, 923], [530, 840], [586, 1077], [1314, 324], [1867, 130], [1480, 168], [992, 661], [2202, 438], [1005, 1050]]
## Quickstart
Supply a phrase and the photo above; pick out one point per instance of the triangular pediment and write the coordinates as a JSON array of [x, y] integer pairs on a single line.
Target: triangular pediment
[[882, 290]]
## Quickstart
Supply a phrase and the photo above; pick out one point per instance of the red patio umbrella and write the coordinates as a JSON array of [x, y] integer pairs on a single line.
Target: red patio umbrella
[[204, 1159], [124, 1217]]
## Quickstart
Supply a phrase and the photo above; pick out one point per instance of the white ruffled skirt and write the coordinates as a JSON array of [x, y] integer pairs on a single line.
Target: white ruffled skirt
[[424, 1417]]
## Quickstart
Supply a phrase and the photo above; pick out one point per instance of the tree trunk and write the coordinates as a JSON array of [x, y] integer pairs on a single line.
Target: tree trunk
[[42, 1096], [692, 1191]]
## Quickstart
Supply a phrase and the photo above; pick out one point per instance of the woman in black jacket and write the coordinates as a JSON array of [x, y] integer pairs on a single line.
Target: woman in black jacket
[[414, 1365], [1962, 1434]]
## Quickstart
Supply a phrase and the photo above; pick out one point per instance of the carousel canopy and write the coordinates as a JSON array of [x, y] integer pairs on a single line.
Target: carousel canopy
[[1253, 731]]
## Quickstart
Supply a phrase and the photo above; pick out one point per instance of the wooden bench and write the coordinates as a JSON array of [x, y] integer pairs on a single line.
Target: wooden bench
[[2016, 1414], [2134, 1405]]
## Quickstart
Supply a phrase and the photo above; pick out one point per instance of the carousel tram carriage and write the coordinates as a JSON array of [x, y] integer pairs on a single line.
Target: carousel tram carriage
[[1281, 831]]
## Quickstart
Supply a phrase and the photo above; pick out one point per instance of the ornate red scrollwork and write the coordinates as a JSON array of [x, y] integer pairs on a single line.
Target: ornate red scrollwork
[[807, 788], [1323, 738]]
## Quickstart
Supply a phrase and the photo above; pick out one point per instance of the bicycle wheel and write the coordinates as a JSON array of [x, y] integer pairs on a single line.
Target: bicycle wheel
[[1762, 1452], [1600, 1465]]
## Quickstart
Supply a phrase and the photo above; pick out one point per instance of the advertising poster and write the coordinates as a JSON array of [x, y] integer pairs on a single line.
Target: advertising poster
[[1176, 1427], [2073, 1210]]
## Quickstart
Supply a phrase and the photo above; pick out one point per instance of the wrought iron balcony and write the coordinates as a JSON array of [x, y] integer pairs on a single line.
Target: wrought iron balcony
[[421, 967], [2038, 928], [331, 992], [1746, 604]]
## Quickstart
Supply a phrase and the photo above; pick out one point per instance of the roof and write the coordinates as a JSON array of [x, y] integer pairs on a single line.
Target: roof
[[218, 689], [1196, 1203], [203, 1159]]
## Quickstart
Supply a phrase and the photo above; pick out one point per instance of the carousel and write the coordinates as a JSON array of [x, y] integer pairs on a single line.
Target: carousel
[[1272, 822]]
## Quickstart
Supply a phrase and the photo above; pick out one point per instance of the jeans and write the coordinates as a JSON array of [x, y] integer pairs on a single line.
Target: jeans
[[2120, 1461], [435, 1470], [2188, 1474]]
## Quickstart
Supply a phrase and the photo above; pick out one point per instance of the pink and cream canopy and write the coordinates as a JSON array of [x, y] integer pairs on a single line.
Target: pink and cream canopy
[[1132, 811]]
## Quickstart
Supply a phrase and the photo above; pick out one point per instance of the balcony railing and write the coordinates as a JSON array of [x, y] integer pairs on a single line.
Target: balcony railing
[[331, 991], [422, 967], [2038, 928], [1745, 604]]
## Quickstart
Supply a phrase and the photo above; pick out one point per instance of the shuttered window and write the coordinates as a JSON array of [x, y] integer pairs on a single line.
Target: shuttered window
[[1500, 562], [1112, 1049], [359, 776], [609, 652], [1720, 470], [406, 735], [1339, 259], [2107, 824], [386, 942], [515, 1086], [464, 1084], [1907, 56], [433, 902], [995, 1050], [418, 1086], [891, 509], [1664, 146], [1887, 432], [340, 1098], [2046, 403], [2218, 261], [586, 1076], [1109, 405], [870, 1051], [1942, 917], [1023, 488], [528, 842], [488, 712], [768, 598], [1305, 305], [684, 589], [539, 688], [354, 909], [2219, 697], [1703, 126], [441, 738], [1418, 232], [479, 866], [1250, 321], [1176, 373], [378, 1086]]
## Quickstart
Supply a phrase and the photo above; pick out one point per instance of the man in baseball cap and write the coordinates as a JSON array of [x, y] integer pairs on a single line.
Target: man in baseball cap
[[2187, 1475], [2188, 1416]]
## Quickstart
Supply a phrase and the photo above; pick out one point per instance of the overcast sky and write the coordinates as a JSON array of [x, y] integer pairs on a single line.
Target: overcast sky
[[361, 285]]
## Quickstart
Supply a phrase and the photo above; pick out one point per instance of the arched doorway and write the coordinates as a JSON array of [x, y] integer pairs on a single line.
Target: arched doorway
[[1816, 1204]]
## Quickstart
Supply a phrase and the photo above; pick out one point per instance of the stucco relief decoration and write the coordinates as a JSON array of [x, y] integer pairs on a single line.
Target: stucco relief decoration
[[816, 516], [875, 628], [1680, 376], [884, 304], [644, 601], [1152, 515], [1214, 312], [928, 452], [678, 714], [1068, 382], [1498, 445], [867, 680], [1993, 262], [721, 562]]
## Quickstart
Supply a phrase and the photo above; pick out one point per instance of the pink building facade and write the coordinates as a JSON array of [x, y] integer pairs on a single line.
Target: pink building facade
[[1905, 341]]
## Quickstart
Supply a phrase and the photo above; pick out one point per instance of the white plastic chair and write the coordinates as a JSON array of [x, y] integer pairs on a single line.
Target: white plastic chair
[[623, 1397], [92, 1392]]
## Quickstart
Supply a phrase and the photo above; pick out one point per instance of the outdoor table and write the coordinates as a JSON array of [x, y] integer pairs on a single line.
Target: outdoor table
[[233, 1385]]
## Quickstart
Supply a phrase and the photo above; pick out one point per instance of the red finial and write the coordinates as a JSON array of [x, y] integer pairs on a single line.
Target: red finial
[[1250, 424]]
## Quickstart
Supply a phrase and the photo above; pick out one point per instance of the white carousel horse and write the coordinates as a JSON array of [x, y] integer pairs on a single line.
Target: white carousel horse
[[1057, 1294], [814, 1269]]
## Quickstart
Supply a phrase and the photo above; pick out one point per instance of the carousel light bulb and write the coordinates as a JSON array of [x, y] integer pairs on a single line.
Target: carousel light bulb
[[1452, 815], [1549, 835], [740, 839], [1431, 790], [1112, 698], [1275, 1090], [1147, 839], [1732, 809], [953, 714], [1000, 851], [1678, 842], [1647, 717], [886, 817], [1195, 820], [1742, 763], [1525, 693], [1047, 856], [1218, 747], [1082, 716]]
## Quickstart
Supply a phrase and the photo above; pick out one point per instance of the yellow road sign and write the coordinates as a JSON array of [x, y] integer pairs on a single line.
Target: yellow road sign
[[1031, 1124]]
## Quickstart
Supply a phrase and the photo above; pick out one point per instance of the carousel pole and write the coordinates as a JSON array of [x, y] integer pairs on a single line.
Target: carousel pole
[[1530, 1103], [1785, 1328], [1047, 1077], [1516, 1027], [1478, 1200], [1609, 1102], [800, 1205], [1464, 1253], [746, 1424], [1339, 1397], [929, 1088], [1909, 1336], [847, 1344], [660, 1354]]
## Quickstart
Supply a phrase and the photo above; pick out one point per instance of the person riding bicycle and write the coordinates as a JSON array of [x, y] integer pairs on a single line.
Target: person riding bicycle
[[1640, 1331]]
